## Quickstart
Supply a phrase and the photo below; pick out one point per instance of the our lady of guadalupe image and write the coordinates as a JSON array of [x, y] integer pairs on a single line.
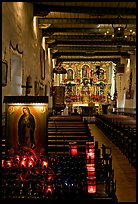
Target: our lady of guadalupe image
[[26, 128]]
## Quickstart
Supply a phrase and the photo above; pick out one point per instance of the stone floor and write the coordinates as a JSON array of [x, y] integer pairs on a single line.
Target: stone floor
[[124, 173]]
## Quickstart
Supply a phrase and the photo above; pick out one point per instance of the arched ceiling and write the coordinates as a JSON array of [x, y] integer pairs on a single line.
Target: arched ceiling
[[84, 30]]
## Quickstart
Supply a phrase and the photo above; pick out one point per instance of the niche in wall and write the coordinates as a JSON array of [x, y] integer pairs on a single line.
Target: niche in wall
[[16, 70]]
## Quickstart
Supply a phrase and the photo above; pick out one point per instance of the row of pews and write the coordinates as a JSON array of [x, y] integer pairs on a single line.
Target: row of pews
[[58, 175], [65, 129], [121, 130]]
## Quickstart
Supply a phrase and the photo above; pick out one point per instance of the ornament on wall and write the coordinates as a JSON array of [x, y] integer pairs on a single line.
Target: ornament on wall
[[59, 69]]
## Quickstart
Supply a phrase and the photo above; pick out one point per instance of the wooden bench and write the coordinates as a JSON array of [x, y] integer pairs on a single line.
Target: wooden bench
[[121, 130]]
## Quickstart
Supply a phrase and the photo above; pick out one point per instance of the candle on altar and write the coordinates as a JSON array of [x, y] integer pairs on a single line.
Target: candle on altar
[[73, 148]]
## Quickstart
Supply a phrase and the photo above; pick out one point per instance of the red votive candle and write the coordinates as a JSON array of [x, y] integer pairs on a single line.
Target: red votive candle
[[90, 155], [8, 163], [49, 189], [23, 163], [90, 170], [89, 147], [30, 163], [45, 164], [73, 148], [17, 158], [91, 185], [3, 162]]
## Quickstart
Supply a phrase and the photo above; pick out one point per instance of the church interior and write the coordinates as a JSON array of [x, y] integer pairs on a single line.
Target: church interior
[[69, 101]]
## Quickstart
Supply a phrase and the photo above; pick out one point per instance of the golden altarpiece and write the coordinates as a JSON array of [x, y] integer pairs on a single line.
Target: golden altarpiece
[[87, 84]]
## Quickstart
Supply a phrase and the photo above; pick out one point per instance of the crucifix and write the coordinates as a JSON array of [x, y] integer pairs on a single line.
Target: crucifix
[[28, 85]]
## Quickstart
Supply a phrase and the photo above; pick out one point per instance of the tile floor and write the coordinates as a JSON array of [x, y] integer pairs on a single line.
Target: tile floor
[[124, 173]]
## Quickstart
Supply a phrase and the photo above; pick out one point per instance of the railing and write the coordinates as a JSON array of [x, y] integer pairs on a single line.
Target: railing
[[126, 111]]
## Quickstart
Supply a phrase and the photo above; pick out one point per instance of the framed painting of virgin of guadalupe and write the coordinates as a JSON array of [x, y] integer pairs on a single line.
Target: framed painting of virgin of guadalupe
[[26, 122]]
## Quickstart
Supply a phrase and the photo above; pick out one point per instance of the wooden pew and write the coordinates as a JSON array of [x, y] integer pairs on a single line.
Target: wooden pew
[[121, 130]]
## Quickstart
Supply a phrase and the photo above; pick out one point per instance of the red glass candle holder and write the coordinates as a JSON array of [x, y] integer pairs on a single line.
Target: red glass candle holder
[[90, 147], [23, 163], [73, 150], [90, 155], [17, 158], [30, 163], [3, 162], [8, 163], [90, 170], [49, 189], [91, 185], [44, 164]]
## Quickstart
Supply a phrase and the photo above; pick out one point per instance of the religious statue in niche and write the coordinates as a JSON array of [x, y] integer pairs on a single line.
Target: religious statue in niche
[[85, 71], [70, 74], [85, 87], [100, 72], [69, 90], [91, 73]]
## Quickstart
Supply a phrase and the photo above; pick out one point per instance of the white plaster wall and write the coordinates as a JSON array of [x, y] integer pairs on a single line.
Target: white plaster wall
[[17, 27], [130, 103]]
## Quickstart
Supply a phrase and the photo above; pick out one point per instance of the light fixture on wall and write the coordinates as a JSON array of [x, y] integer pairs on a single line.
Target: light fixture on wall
[[119, 29], [59, 69]]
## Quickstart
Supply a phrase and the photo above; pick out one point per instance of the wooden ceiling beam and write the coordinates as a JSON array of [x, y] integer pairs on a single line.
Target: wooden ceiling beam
[[43, 10], [92, 43], [84, 54], [100, 20], [116, 60]]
